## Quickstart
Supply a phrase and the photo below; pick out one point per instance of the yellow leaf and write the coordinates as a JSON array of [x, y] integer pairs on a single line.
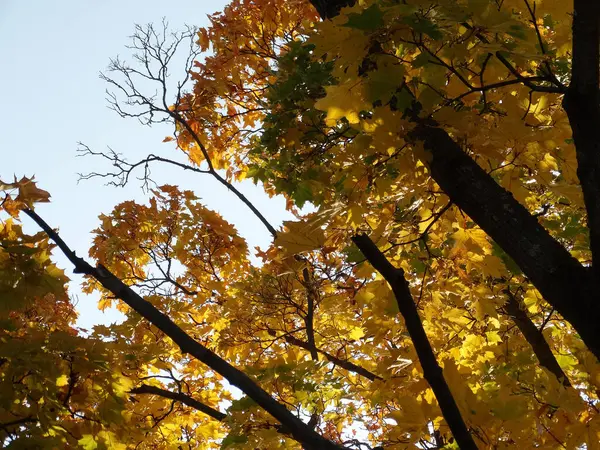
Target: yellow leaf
[[122, 385], [455, 315], [474, 240], [300, 237], [493, 337], [63, 380], [344, 100], [410, 415], [88, 442], [356, 333], [492, 265], [484, 307], [355, 216]]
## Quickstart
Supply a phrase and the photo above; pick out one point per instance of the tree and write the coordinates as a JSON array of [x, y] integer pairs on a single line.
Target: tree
[[442, 293]]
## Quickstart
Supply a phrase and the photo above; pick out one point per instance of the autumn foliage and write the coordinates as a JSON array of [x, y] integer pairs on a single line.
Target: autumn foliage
[[441, 293]]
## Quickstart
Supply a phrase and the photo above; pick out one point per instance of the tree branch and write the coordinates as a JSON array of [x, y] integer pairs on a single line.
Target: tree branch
[[431, 369], [555, 273], [582, 105], [155, 52], [180, 397], [125, 168], [344, 364], [514, 308], [17, 422], [310, 314], [298, 429]]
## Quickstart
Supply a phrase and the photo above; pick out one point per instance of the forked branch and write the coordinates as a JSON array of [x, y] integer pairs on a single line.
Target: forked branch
[[154, 52], [300, 431]]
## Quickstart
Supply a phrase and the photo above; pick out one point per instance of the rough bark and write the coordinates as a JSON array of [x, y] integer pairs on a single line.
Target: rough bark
[[431, 369], [582, 104], [558, 276], [311, 298], [553, 271]]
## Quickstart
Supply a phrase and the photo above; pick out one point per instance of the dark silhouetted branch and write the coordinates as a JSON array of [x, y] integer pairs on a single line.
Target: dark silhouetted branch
[[310, 313], [344, 364], [431, 369], [297, 429], [180, 397], [582, 104], [534, 336], [555, 273]]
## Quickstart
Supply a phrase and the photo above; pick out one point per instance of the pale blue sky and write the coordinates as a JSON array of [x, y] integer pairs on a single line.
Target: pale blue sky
[[52, 98]]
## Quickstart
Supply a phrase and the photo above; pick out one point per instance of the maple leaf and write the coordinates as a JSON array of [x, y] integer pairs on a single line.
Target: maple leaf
[[343, 101], [29, 193], [300, 237], [370, 19]]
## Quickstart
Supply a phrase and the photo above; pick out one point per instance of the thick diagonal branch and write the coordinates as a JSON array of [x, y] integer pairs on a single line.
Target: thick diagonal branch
[[191, 402], [187, 345], [558, 276], [431, 369], [550, 267], [582, 104]]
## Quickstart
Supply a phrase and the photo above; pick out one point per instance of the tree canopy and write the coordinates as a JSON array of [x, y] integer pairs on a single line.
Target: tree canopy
[[441, 292]]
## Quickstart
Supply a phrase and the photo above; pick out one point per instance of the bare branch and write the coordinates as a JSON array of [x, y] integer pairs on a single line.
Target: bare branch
[[120, 177], [154, 51]]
